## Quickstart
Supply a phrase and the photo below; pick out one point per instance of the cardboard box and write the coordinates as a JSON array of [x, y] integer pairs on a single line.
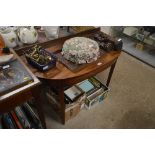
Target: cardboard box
[[95, 98], [72, 109], [95, 91]]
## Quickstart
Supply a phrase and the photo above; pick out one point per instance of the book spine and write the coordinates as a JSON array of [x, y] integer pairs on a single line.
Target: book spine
[[1, 122], [19, 125], [22, 118], [32, 115], [8, 121]]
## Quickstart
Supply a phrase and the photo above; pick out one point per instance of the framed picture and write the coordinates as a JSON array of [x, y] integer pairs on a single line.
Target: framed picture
[[87, 86], [73, 93]]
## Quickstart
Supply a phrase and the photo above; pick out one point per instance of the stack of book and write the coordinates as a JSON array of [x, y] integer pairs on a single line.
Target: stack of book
[[95, 91], [22, 117]]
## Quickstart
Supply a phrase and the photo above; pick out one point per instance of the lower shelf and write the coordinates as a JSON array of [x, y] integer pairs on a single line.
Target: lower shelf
[[22, 117], [92, 94]]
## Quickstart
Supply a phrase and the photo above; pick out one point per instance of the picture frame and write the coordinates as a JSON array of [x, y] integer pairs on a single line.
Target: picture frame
[[73, 93]]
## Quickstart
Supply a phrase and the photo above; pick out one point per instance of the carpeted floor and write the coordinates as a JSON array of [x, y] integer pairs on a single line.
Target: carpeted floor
[[130, 102]]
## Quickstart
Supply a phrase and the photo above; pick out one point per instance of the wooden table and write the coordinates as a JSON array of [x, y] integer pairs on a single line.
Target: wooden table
[[61, 76], [17, 97]]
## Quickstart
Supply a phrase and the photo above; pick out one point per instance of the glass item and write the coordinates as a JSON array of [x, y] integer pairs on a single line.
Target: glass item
[[28, 35], [12, 76], [51, 32], [9, 36]]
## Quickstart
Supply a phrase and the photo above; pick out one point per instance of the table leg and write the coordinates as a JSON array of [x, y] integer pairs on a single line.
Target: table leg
[[62, 103], [110, 73], [38, 104], [67, 28]]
